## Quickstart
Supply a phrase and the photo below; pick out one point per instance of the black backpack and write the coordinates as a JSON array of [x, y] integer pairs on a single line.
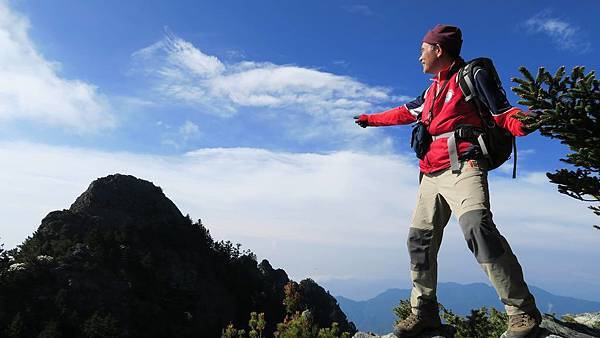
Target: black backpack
[[496, 143]]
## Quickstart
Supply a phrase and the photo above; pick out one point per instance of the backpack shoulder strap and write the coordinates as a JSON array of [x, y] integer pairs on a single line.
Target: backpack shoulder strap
[[468, 84], [466, 76]]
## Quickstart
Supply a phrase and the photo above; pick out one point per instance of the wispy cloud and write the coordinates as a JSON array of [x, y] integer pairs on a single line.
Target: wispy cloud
[[341, 63], [178, 137], [359, 9], [353, 208], [563, 34], [32, 89], [189, 129], [302, 99], [236, 54]]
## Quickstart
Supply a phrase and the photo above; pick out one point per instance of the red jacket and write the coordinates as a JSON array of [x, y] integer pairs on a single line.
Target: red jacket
[[450, 109]]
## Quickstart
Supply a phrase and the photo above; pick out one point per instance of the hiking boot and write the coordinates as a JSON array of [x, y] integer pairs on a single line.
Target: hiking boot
[[416, 324], [523, 325]]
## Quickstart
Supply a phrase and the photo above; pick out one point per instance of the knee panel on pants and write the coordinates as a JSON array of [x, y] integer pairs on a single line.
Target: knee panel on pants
[[419, 246], [481, 235]]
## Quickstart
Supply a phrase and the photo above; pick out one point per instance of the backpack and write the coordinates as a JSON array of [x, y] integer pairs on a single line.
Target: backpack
[[496, 143]]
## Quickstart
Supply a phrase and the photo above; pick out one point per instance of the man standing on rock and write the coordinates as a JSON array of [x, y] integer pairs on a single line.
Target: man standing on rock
[[462, 190]]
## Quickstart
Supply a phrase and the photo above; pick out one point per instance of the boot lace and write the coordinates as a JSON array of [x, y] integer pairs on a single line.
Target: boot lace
[[519, 321], [411, 319]]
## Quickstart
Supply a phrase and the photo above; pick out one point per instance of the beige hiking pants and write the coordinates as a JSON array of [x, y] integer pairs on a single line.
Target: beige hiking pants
[[466, 195]]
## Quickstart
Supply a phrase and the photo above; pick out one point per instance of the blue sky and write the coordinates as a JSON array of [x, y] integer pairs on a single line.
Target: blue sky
[[242, 112]]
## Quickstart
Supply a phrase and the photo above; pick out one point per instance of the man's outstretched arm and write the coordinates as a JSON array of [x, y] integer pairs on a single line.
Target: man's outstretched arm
[[404, 114]]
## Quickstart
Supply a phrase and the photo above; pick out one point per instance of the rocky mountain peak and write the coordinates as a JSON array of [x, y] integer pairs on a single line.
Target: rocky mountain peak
[[125, 198]]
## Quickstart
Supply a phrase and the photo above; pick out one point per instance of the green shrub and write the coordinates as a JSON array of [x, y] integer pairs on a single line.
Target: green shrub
[[480, 323], [297, 325], [403, 309]]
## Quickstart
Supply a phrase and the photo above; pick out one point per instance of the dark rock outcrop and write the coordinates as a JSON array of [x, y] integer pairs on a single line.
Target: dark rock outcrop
[[124, 261], [124, 200]]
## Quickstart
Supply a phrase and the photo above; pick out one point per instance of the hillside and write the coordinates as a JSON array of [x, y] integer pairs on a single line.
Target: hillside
[[124, 261]]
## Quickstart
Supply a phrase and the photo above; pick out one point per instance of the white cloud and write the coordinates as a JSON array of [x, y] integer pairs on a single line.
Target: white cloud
[[296, 209], [31, 88], [178, 137], [312, 103], [189, 129], [562, 33]]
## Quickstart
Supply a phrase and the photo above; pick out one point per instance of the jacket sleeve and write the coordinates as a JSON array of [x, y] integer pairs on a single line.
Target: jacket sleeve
[[494, 98], [404, 114]]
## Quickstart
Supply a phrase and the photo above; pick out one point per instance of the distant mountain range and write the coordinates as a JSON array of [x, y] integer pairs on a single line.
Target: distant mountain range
[[376, 314]]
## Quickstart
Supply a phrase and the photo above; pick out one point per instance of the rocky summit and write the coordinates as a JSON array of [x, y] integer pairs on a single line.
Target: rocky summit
[[126, 200], [123, 261]]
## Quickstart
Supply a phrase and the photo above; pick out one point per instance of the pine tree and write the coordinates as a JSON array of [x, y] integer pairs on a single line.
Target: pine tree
[[292, 298], [257, 324], [3, 258], [568, 109], [101, 326]]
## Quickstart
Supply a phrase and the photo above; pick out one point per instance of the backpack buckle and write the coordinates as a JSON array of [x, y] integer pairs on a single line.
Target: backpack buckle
[[468, 132]]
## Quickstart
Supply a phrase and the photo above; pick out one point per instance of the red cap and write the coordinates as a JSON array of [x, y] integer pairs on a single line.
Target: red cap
[[449, 37]]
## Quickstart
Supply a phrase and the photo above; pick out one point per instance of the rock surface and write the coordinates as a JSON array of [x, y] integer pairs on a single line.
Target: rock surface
[[588, 319], [582, 326], [553, 327], [446, 331]]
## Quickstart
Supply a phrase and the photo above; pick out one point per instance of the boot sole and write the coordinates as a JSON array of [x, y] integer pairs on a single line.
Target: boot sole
[[409, 334], [532, 334]]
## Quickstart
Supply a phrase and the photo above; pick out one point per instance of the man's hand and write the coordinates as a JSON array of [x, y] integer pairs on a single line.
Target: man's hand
[[533, 112], [362, 120], [529, 120]]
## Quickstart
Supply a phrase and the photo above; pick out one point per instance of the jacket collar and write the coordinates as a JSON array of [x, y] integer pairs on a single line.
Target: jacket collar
[[446, 73]]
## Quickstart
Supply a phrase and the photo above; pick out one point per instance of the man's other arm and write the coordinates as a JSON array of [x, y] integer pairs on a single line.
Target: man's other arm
[[495, 99]]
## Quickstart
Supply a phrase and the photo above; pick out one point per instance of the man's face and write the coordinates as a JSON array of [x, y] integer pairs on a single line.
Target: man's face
[[430, 58]]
